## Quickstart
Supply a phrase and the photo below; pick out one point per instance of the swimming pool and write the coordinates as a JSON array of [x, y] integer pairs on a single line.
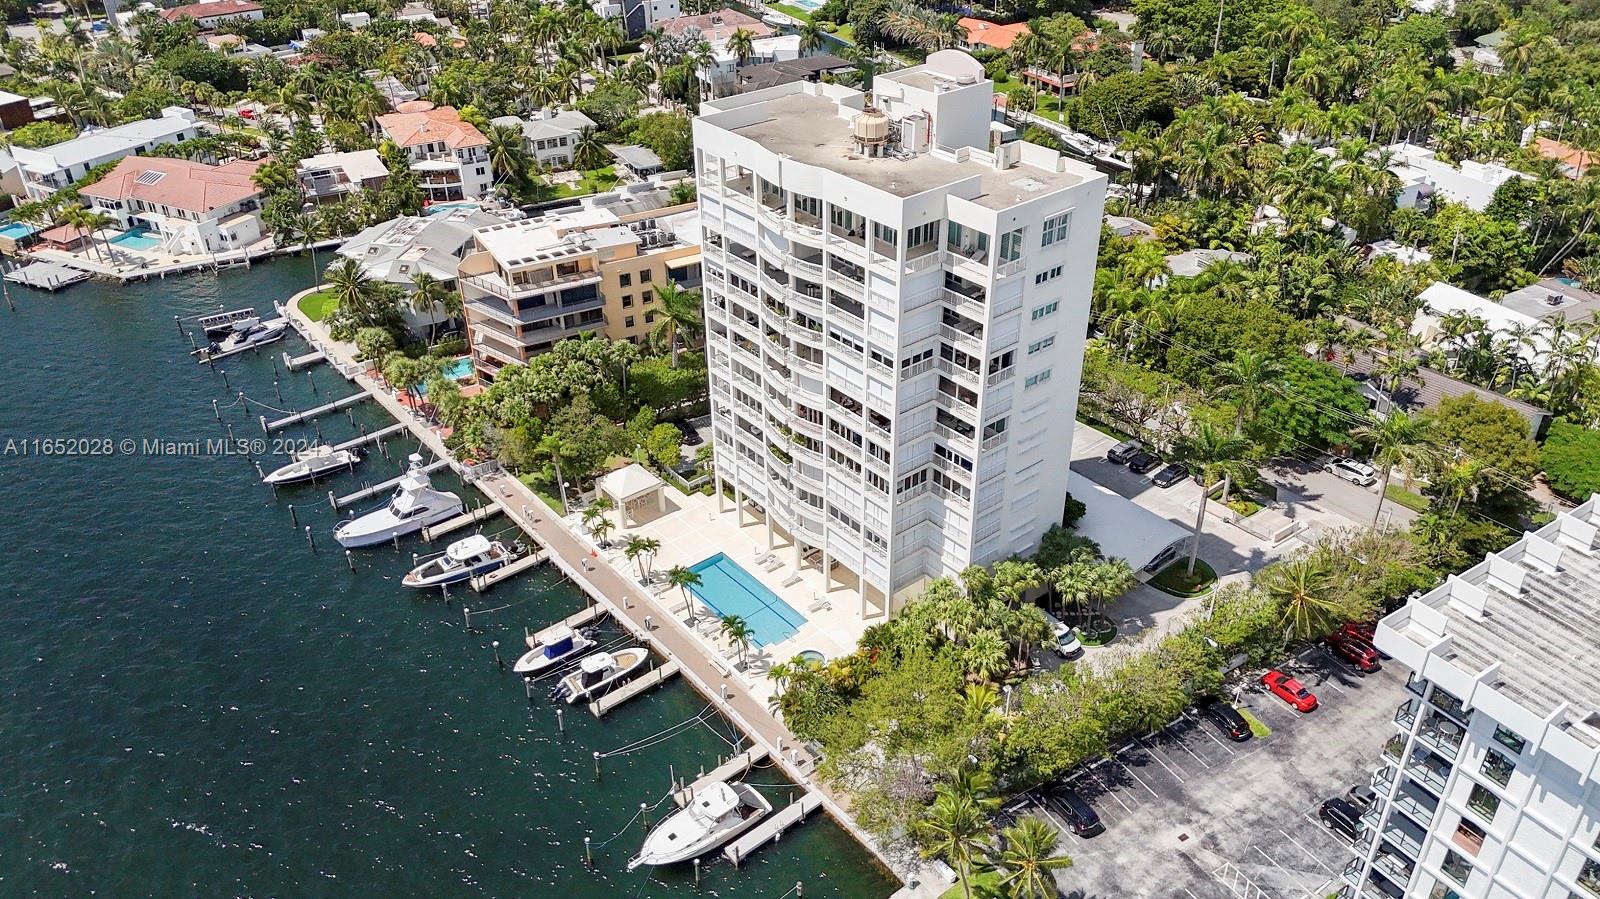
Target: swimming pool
[[17, 230], [442, 208], [807, 5], [730, 590], [136, 239], [459, 369]]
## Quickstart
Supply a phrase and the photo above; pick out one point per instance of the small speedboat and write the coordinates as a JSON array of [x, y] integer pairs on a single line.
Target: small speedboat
[[555, 647], [246, 334], [714, 815], [599, 673], [460, 560], [311, 464], [414, 506]]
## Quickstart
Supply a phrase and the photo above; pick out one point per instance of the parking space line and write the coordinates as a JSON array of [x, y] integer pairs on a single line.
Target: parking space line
[[1136, 777], [1180, 775], [1200, 726], [1197, 758], [1300, 884], [1110, 792], [1314, 857]]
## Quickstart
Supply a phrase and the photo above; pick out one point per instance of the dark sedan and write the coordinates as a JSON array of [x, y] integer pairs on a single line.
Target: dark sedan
[[1170, 475], [1143, 462]]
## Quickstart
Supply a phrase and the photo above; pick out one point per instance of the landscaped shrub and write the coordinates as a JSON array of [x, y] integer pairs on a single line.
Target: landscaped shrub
[[1571, 460]]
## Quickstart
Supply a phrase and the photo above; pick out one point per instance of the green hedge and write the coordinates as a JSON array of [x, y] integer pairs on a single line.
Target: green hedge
[[1571, 460]]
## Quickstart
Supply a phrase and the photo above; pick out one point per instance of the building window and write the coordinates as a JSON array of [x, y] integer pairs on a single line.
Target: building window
[[625, 279], [1042, 344], [649, 318], [1034, 380], [627, 300], [480, 170], [1455, 866], [1056, 229], [1047, 309], [1508, 738], [1497, 767], [1589, 877], [922, 234], [627, 322], [1053, 272], [644, 276], [1011, 246], [1483, 803]]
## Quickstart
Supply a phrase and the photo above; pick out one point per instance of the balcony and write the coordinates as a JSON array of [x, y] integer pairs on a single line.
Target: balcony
[[995, 441], [812, 270], [1007, 269], [520, 317], [930, 257], [964, 375], [971, 343], [1468, 838], [1442, 735], [1430, 774], [531, 286], [1393, 865], [974, 306], [996, 378], [1415, 806], [1405, 714], [1450, 705]]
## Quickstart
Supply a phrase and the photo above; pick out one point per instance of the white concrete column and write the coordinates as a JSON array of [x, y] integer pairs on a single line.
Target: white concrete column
[[826, 568], [863, 583], [794, 542], [738, 507], [721, 500], [770, 541]]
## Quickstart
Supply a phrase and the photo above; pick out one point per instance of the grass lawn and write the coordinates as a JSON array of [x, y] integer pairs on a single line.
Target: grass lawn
[[1256, 727], [1176, 581], [544, 490], [594, 181], [990, 879], [1098, 631], [1416, 502], [318, 306], [845, 33]]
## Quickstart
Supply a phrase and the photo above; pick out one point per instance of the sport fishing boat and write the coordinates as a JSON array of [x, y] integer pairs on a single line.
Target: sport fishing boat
[[714, 815], [246, 334], [553, 648], [414, 506], [460, 561], [599, 673], [308, 465]]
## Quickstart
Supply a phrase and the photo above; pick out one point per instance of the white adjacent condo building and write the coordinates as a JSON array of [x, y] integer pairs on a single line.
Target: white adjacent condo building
[[1491, 783], [895, 314]]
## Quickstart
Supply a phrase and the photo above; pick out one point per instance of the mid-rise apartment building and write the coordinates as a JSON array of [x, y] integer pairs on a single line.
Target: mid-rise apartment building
[[1491, 781], [527, 284], [895, 309]]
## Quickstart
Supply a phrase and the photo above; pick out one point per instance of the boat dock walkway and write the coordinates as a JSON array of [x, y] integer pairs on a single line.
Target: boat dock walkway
[[296, 418], [655, 677], [772, 828], [734, 767], [295, 363], [381, 434], [532, 560], [482, 513], [365, 492], [51, 276]]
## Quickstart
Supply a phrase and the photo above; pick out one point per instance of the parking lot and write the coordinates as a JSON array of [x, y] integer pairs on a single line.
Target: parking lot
[[1191, 815]]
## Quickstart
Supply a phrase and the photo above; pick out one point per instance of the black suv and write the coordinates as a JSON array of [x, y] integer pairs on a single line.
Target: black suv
[[1124, 451], [1143, 462], [1170, 475], [1073, 809], [1227, 719], [1341, 816]]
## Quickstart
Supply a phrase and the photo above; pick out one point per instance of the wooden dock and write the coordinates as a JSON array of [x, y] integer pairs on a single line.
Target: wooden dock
[[641, 684], [532, 560], [772, 828], [375, 489], [728, 770], [296, 418], [295, 363], [482, 513], [51, 276], [380, 434]]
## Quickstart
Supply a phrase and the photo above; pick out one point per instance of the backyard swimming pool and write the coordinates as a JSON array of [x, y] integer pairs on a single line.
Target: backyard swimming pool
[[458, 370], [730, 590], [17, 230], [136, 239]]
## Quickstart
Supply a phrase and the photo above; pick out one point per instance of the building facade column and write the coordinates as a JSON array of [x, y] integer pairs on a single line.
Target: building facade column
[[722, 505], [827, 565], [770, 542]]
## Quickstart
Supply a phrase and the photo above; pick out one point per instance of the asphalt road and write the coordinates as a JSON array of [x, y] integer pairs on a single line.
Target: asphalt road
[[1334, 495]]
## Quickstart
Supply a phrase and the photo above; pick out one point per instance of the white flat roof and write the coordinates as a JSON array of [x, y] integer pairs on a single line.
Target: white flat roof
[[101, 144], [1123, 528]]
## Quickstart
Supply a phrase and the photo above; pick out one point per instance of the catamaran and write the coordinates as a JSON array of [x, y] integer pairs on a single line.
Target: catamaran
[[599, 673], [715, 814], [311, 464], [551, 649], [414, 506], [460, 561]]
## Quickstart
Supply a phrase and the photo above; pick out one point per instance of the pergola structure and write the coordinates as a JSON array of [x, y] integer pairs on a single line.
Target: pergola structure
[[632, 489]]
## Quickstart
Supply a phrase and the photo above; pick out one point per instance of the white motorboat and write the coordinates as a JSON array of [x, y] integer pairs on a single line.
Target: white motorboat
[[599, 673], [556, 646], [414, 506], [460, 560], [714, 815], [246, 334], [311, 464]]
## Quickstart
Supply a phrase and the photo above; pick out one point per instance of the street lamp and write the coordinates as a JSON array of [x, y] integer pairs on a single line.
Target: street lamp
[[564, 503], [306, 209]]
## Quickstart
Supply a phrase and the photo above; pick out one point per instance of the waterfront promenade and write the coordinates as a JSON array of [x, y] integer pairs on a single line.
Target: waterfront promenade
[[634, 607]]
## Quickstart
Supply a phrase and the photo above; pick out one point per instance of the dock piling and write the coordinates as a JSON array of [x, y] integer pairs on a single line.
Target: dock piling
[[277, 388], [312, 380], [244, 405], [597, 764], [644, 814], [224, 377], [318, 426], [466, 616], [216, 410], [561, 719], [527, 689], [229, 426], [294, 520], [350, 558], [499, 662], [263, 425], [311, 541], [697, 872], [588, 857], [333, 501]]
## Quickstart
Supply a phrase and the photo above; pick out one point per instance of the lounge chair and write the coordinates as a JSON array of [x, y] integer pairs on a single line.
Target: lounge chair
[[819, 605], [773, 564], [792, 580]]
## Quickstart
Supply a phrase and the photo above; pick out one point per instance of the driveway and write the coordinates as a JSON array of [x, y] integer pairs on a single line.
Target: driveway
[[1302, 483], [1192, 815]]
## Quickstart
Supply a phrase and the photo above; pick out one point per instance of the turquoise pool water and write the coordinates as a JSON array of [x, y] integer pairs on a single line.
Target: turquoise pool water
[[457, 370], [17, 230], [730, 590], [136, 239], [442, 208], [807, 5]]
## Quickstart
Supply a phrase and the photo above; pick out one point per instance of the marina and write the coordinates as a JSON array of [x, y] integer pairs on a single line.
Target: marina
[[515, 848], [639, 685], [51, 276]]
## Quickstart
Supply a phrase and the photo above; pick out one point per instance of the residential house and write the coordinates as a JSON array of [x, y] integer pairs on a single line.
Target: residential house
[[1573, 162], [1522, 315], [449, 156], [550, 135], [1423, 176], [328, 177], [981, 34], [772, 74], [194, 208], [210, 14], [637, 16], [397, 250], [642, 161], [49, 169]]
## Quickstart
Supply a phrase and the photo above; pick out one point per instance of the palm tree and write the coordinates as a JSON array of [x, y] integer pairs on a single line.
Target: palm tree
[[508, 153], [1399, 440], [682, 578], [680, 317], [589, 151], [812, 37], [1214, 455], [350, 285], [639, 550], [1301, 586], [427, 294], [94, 222], [738, 632], [954, 829], [1029, 857], [742, 45]]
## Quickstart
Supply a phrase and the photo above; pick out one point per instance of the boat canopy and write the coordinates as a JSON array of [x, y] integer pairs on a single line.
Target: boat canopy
[[715, 801], [469, 548], [559, 642], [600, 661]]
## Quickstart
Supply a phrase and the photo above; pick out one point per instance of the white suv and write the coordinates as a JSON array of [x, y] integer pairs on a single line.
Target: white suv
[[1359, 473], [1066, 638]]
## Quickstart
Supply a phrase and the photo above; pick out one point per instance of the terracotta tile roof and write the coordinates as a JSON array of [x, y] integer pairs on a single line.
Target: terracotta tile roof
[[63, 234], [1572, 159], [177, 183], [422, 126], [424, 39], [983, 33], [717, 26], [210, 10]]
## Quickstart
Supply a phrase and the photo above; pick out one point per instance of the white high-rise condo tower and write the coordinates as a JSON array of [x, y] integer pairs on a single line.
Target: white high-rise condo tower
[[1491, 786], [895, 307]]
